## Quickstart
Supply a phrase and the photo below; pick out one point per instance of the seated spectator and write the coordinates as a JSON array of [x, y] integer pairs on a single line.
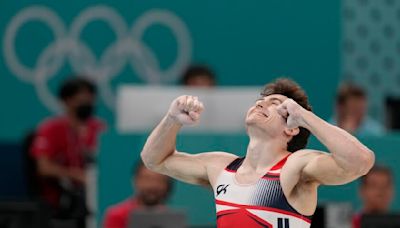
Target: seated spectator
[[351, 112], [151, 191], [198, 76], [376, 192]]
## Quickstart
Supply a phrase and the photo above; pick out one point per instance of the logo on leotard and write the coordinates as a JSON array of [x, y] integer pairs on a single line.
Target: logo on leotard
[[221, 188]]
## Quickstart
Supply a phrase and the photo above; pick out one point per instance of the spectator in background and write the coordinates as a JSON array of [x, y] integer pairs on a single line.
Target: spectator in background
[[376, 192], [62, 147], [351, 112], [152, 190], [198, 76]]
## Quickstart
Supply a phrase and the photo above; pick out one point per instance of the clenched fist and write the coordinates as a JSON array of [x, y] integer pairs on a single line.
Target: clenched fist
[[186, 110], [292, 112]]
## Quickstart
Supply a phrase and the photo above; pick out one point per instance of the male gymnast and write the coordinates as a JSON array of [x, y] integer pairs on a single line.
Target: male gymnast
[[275, 184]]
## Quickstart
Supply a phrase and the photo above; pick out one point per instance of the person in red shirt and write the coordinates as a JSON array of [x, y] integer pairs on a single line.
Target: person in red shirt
[[376, 192], [152, 190], [62, 147]]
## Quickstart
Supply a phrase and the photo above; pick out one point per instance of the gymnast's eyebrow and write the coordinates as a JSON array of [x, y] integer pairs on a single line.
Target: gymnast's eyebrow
[[276, 99], [271, 99]]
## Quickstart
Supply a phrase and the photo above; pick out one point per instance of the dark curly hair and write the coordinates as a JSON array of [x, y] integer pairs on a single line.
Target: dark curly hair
[[291, 89]]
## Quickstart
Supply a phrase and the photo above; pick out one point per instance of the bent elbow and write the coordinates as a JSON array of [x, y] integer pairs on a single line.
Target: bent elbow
[[146, 160], [150, 162], [368, 161]]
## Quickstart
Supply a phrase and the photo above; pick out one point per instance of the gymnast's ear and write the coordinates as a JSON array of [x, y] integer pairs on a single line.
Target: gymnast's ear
[[292, 131]]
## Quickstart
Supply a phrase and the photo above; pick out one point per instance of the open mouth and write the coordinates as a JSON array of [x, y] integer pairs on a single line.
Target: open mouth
[[263, 114], [259, 110]]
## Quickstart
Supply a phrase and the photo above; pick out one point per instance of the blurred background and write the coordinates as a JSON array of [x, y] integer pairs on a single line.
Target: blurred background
[[134, 57]]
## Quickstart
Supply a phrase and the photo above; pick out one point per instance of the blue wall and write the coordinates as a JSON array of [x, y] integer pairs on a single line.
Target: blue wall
[[248, 43]]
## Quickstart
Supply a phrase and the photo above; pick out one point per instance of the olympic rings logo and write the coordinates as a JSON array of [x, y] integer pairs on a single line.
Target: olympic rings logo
[[128, 48]]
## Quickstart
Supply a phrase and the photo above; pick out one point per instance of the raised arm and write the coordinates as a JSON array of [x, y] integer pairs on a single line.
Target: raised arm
[[348, 158], [160, 155]]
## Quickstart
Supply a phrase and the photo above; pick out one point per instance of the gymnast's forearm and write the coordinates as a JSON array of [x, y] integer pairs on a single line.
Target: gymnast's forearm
[[348, 152], [161, 142]]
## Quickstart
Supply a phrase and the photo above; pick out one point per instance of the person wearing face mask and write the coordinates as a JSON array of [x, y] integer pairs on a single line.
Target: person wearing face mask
[[151, 191], [62, 147]]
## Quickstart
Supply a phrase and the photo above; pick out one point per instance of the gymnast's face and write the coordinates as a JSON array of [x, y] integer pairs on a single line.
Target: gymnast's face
[[263, 115]]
